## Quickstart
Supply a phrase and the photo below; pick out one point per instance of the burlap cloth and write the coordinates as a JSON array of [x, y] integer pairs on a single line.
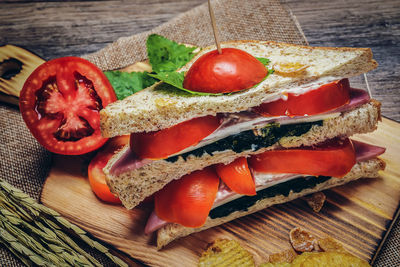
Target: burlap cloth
[[24, 163]]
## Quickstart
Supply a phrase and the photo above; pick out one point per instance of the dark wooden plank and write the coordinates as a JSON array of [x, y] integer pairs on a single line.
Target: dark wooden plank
[[364, 23], [55, 29]]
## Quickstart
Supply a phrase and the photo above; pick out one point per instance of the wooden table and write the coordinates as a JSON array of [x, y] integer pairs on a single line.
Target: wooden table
[[87, 26]]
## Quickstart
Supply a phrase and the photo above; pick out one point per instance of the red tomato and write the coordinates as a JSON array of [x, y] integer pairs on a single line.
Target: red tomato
[[161, 144], [60, 104], [327, 97], [334, 158], [237, 176], [188, 200], [232, 70], [97, 179]]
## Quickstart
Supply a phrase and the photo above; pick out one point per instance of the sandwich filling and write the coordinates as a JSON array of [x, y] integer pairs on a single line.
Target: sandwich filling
[[267, 185], [246, 130]]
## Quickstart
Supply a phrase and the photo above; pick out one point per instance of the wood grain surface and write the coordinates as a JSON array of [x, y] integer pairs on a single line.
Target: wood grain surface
[[356, 214]]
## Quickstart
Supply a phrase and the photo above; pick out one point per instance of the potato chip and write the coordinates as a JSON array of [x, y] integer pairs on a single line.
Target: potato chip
[[316, 201], [224, 252], [290, 69], [329, 244], [328, 259], [302, 240], [284, 256]]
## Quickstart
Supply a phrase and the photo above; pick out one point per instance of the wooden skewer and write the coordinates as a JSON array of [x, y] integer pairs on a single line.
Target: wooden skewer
[[366, 82], [214, 27]]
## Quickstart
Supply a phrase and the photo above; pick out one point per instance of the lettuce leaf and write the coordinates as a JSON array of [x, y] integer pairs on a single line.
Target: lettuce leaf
[[166, 55], [126, 84], [176, 80]]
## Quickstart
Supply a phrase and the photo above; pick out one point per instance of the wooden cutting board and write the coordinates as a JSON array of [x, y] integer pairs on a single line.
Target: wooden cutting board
[[357, 214]]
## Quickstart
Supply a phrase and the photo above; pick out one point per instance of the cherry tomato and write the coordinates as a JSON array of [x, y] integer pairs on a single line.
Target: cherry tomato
[[237, 176], [232, 70], [161, 144], [97, 179], [60, 104], [188, 200], [334, 158], [327, 97]]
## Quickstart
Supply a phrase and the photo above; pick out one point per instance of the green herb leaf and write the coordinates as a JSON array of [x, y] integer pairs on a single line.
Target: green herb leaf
[[264, 61], [166, 55], [176, 80], [126, 84]]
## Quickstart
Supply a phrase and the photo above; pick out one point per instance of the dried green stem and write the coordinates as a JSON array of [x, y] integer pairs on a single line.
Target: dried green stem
[[21, 213]]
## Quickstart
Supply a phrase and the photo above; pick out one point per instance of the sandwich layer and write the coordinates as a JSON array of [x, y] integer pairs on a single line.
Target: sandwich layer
[[366, 169], [135, 185], [155, 108]]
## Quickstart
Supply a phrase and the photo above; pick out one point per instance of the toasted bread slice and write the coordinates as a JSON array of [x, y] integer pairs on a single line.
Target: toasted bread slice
[[152, 109], [367, 169], [134, 186]]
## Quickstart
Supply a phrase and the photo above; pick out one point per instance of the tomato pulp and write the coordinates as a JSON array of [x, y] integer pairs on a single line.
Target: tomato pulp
[[163, 143], [231, 71], [188, 200], [333, 158], [327, 97], [60, 104]]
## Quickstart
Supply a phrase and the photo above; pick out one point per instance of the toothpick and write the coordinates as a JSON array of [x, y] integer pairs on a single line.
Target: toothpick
[[369, 89], [214, 27]]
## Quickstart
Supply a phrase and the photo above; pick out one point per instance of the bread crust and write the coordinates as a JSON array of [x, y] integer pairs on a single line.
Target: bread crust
[[367, 169], [133, 187], [152, 109]]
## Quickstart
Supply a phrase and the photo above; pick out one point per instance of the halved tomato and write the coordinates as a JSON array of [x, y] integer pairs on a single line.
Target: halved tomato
[[188, 200], [163, 143], [327, 97], [333, 158], [232, 70], [237, 176], [60, 104], [97, 179]]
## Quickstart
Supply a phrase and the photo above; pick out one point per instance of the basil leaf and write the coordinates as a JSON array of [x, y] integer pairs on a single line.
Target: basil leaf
[[176, 80], [166, 55], [264, 61], [128, 83]]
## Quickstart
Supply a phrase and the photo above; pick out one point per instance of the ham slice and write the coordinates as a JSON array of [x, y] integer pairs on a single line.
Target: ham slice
[[153, 223], [128, 162], [363, 151], [366, 151]]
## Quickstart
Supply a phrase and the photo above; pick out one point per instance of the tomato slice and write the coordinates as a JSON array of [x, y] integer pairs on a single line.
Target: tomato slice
[[327, 97], [188, 200], [97, 179], [333, 158], [163, 143], [237, 176], [60, 104], [232, 70]]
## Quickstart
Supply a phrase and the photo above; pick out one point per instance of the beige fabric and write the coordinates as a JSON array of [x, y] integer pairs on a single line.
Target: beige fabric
[[236, 20]]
